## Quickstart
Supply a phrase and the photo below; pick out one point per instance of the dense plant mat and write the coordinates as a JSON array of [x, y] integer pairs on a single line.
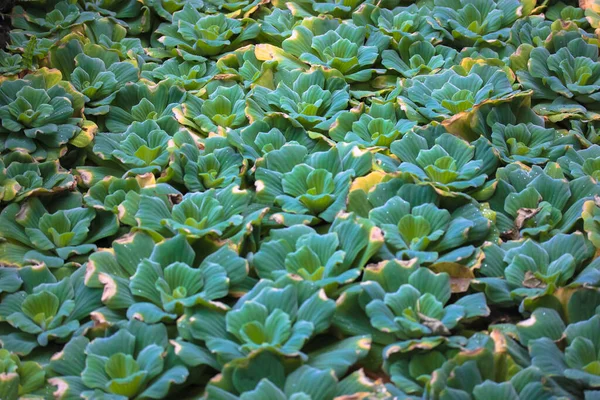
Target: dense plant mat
[[308, 200]]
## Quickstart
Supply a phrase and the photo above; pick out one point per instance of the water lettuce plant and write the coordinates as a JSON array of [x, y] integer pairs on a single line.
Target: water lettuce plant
[[307, 200]]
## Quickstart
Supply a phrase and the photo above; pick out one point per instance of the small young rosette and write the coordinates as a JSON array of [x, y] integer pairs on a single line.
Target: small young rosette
[[122, 196], [57, 234], [414, 55], [376, 125], [189, 75], [261, 137], [277, 26], [222, 111]]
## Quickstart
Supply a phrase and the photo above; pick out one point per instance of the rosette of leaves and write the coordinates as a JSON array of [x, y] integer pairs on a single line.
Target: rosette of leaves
[[132, 14], [327, 260], [414, 369], [10, 64], [311, 99], [135, 362], [21, 177], [429, 233], [529, 143], [473, 22], [155, 282], [21, 379], [46, 310], [277, 26], [221, 111], [533, 272], [189, 75], [538, 203], [448, 163], [60, 233], [216, 166], [579, 163], [217, 215], [375, 189], [306, 9], [440, 96], [122, 196], [99, 80], [166, 288], [234, 8], [39, 115], [56, 20], [270, 318], [307, 189], [377, 279], [138, 102], [420, 308], [576, 363], [112, 37], [262, 64], [346, 49], [533, 30], [262, 137], [143, 148], [563, 12], [587, 132], [194, 36], [414, 55], [379, 125], [32, 50], [564, 75], [491, 374], [405, 21], [166, 8], [267, 375], [591, 220]]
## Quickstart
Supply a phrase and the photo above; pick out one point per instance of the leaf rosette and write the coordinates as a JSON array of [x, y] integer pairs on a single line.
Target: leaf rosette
[[59, 234]]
